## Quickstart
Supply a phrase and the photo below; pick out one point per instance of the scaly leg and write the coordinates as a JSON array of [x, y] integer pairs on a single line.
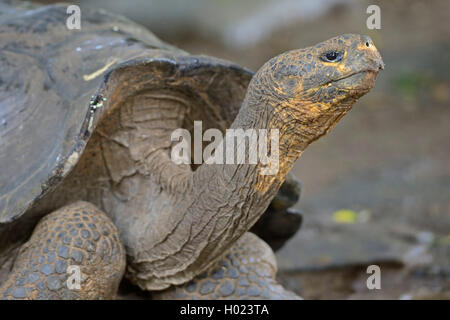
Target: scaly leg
[[78, 239], [247, 271]]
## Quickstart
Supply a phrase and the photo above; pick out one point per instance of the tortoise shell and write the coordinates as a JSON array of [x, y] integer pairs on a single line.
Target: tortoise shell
[[56, 84]]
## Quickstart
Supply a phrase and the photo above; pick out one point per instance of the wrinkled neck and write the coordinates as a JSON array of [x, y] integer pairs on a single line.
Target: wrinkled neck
[[227, 199], [298, 124], [283, 143]]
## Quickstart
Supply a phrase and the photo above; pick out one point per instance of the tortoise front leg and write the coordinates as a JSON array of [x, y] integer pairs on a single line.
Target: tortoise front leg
[[78, 239], [247, 271]]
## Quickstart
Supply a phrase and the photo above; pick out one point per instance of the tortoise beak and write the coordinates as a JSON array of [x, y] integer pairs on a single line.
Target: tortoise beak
[[380, 64], [375, 59]]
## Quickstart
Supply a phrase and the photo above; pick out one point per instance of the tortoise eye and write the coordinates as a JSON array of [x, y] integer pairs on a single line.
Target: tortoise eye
[[332, 56]]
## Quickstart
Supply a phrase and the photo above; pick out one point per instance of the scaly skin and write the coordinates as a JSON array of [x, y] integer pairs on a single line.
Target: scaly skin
[[176, 223], [82, 235], [76, 235], [246, 272]]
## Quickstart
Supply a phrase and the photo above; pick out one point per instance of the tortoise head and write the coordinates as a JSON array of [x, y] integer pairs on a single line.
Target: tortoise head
[[315, 86]]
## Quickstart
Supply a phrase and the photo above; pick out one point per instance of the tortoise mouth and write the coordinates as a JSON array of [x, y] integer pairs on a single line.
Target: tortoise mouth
[[361, 81]]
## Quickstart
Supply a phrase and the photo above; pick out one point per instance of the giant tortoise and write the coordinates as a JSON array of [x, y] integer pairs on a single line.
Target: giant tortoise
[[86, 127]]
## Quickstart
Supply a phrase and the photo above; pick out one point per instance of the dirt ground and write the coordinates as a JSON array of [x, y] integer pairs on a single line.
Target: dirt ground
[[385, 167]]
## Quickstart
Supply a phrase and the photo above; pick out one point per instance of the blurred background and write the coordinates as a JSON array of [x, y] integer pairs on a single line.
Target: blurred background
[[377, 189]]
